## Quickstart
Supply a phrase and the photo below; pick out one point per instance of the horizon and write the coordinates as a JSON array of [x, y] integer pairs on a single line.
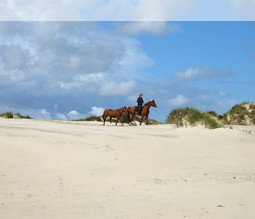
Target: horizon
[[27, 116]]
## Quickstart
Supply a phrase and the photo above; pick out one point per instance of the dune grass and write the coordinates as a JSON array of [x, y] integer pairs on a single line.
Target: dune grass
[[10, 115], [192, 117]]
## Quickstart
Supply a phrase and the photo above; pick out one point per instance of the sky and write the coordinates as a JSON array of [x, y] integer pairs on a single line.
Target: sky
[[127, 10], [74, 65]]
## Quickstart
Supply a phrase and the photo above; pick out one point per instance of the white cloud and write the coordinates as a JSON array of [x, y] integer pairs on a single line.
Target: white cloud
[[117, 88], [96, 111], [64, 56], [91, 51], [134, 60], [178, 101], [188, 74], [58, 65], [43, 113], [61, 116], [205, 73], [86, 82], [73, 114]]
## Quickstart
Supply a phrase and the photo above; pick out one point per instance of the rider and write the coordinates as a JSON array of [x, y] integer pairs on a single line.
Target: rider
[[139, 102]]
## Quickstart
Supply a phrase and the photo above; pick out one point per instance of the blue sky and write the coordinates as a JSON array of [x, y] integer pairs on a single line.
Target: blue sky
[[69, 70]]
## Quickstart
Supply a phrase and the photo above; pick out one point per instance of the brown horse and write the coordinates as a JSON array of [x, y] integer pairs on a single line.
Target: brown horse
[[114, 114], [144, 113]]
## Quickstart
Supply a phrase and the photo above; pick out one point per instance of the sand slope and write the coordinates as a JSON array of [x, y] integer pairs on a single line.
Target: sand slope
[[84, 170]]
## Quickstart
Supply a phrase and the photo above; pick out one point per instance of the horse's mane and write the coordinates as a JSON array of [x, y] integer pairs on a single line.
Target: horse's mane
[[146, 104], [121, 108]]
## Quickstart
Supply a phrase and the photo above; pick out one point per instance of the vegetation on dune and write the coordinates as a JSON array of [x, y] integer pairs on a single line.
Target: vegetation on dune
[[240, 114], [191, 117], [10, 115], [7, 115], [154, 122], [19, 116], [91, 118], [211, 122]]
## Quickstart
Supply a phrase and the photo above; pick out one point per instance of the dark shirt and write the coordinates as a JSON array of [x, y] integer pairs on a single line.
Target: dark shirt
[[139, 101]]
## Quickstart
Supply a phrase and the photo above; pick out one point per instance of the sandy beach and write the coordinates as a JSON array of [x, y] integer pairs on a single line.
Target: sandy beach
[[53, 169]]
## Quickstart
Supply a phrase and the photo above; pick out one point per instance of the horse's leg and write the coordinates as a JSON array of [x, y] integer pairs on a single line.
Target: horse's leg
[[133, 117], [104, 118], [147, 118], [141, 120], [121, 121], [111, 120], [117, 120], [128, 117]]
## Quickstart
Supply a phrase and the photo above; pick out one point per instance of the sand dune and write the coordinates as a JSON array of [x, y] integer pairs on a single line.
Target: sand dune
[[51, 169]]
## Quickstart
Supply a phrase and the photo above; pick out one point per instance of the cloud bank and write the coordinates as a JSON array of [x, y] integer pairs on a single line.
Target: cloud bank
[[49, 64]]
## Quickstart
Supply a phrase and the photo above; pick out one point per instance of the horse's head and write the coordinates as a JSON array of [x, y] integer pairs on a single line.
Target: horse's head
[[125, 110], [153, 103]]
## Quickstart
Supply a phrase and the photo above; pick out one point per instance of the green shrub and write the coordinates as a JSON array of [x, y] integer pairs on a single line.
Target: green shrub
[[8, 115], [153, 122], [190, 116], [176, 117], [210, 122], [19, 116], [91, 118], [212, 113], [194, 116], [240, 114], [179, 116]]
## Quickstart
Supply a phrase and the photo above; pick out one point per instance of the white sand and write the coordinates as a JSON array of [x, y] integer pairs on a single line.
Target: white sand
[[72, 170]]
